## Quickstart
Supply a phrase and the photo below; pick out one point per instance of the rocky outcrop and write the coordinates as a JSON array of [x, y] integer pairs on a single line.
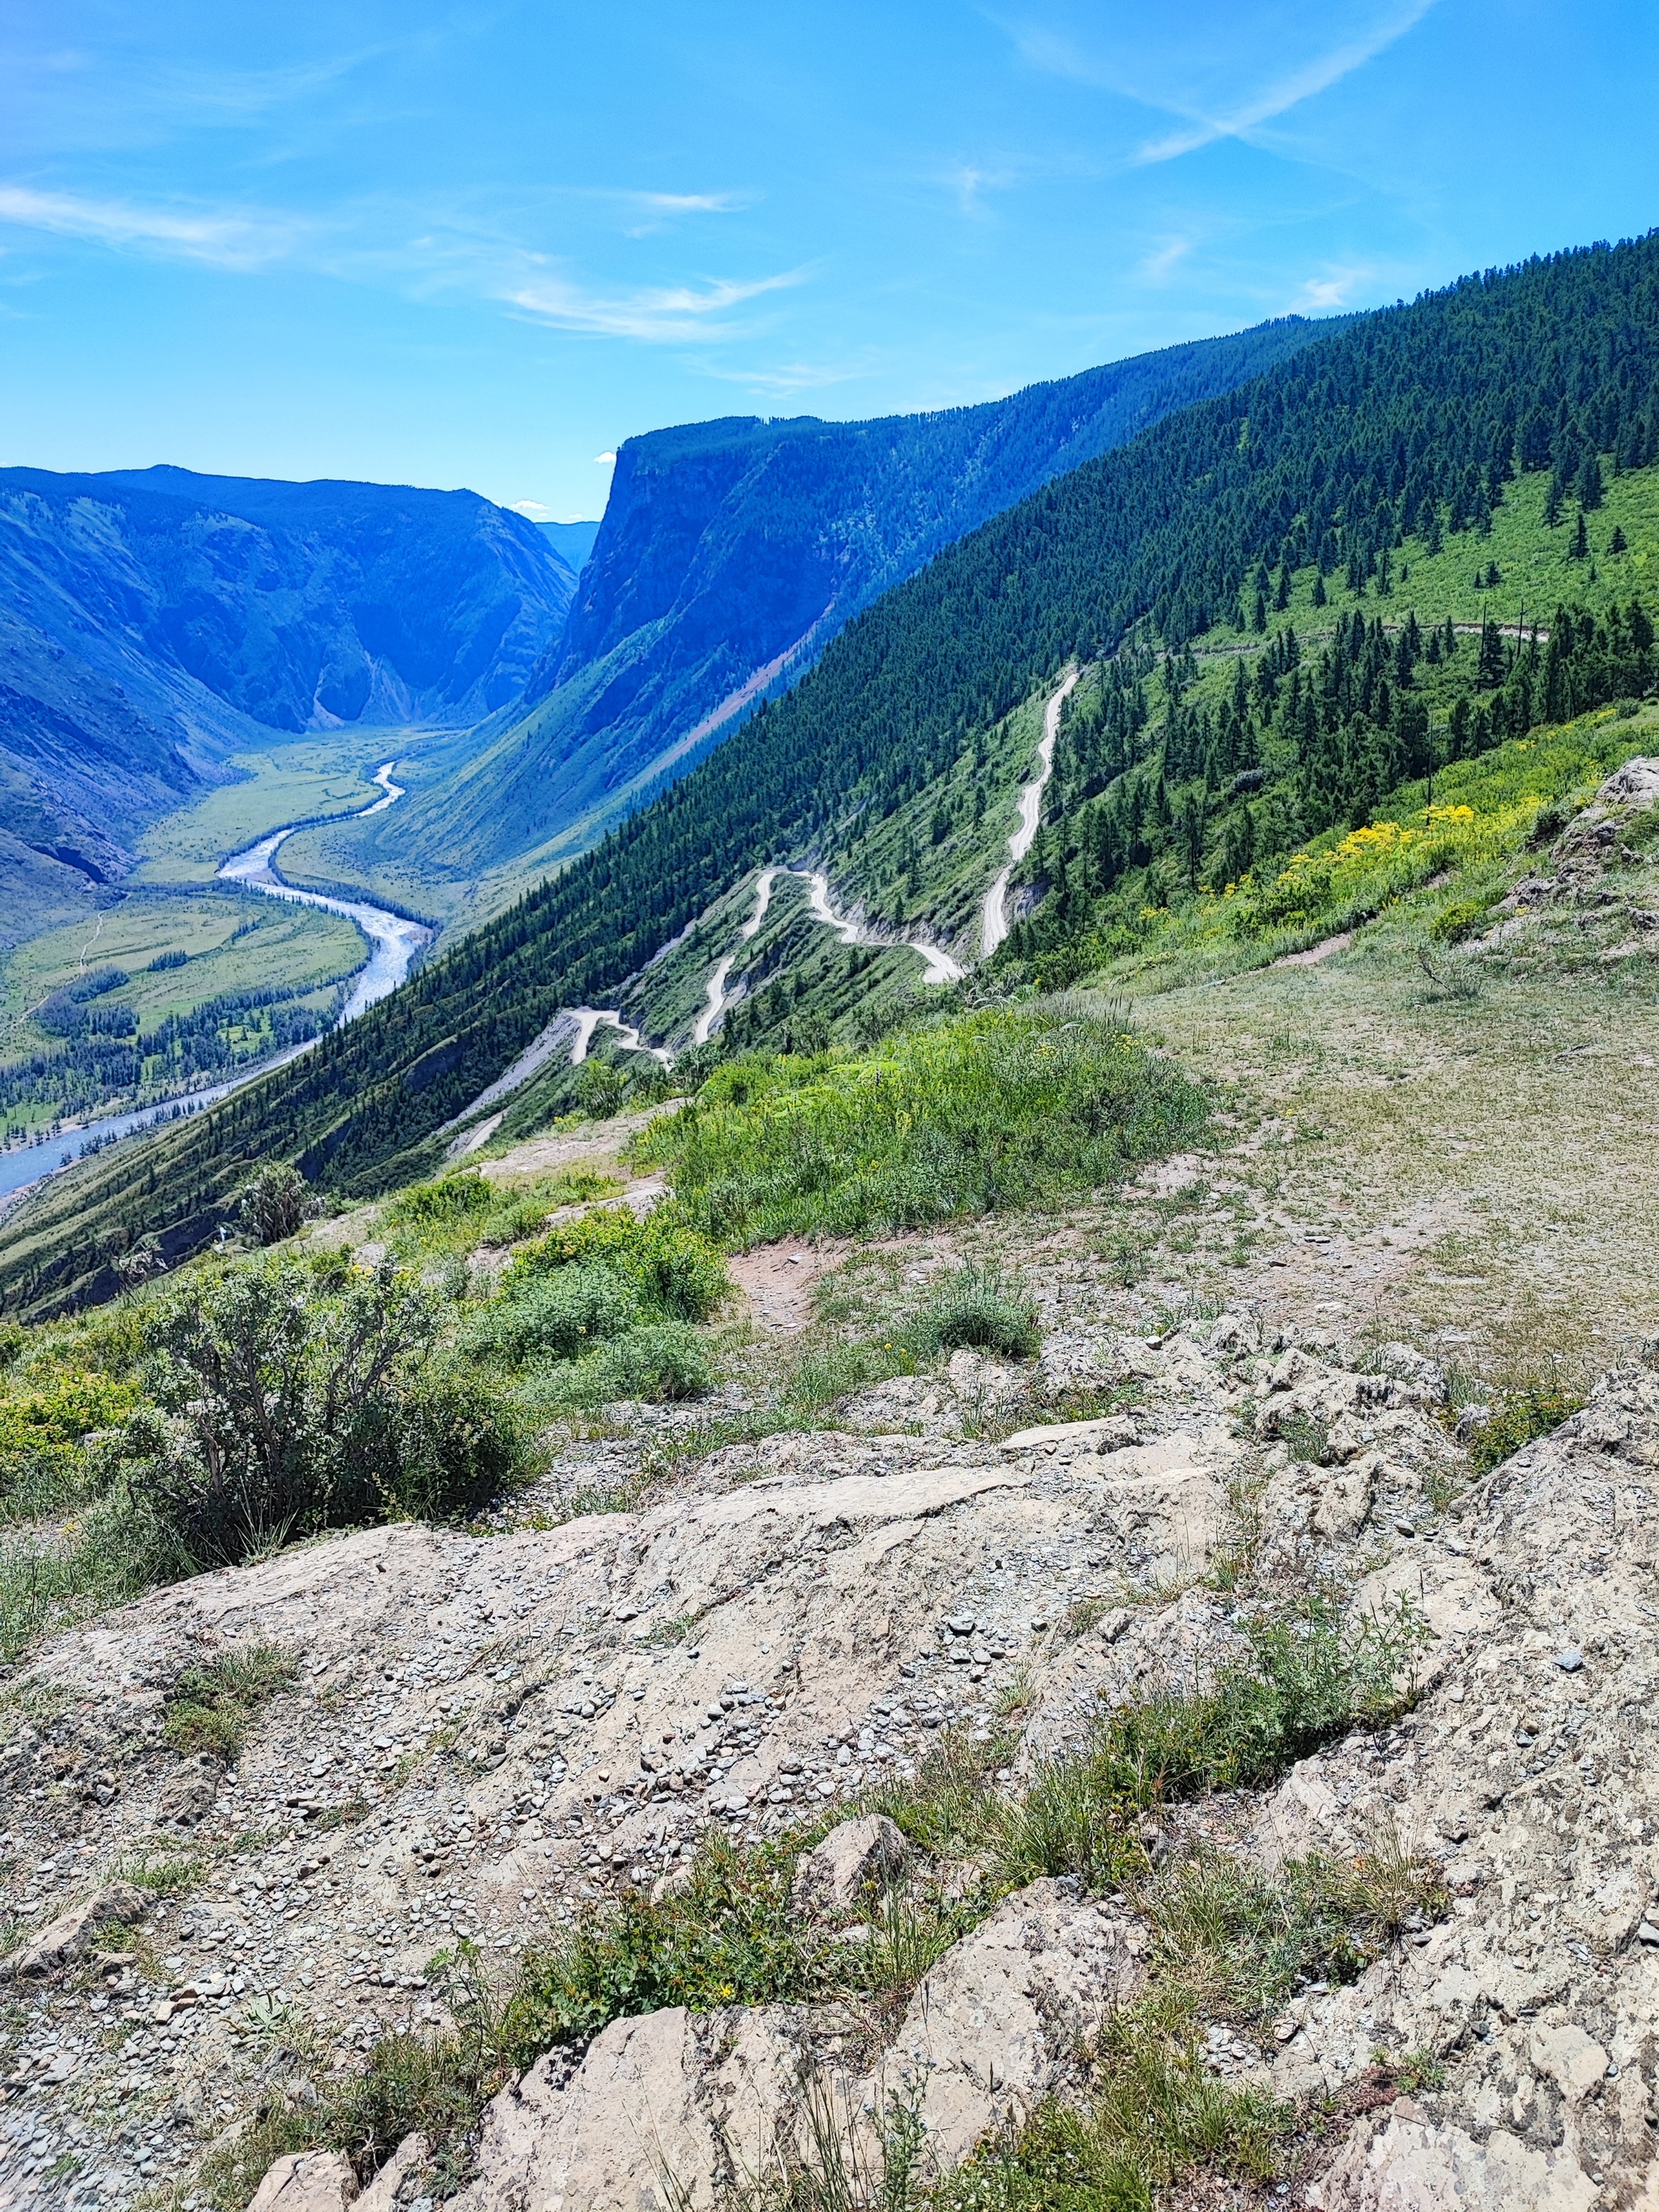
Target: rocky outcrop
[[1006, 2017], [485, 1738], [855, 1861], [65, 1939]]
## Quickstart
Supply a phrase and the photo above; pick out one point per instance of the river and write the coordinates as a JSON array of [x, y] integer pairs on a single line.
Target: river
[[393, 943]]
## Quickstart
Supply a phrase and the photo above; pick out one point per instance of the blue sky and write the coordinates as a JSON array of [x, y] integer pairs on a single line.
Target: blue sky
[[480, 244]]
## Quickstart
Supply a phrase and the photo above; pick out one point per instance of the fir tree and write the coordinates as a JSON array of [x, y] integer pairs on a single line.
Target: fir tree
[[1580, 547], [1320, 595], [1589, 486], [1617, 543]]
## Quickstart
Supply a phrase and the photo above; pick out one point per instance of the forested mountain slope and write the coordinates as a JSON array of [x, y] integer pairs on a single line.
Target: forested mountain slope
[[730, 554], [1411, 424], [151, 620]]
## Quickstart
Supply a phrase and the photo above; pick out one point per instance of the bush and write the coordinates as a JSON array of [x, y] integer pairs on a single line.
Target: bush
[[1460, 919], [996, 1109], [436, 1204], [288, 1400], [275, 1203], [729, 1936], [673, 1266], [982, 1308], [557, 1316], [42, 1431], [1518, 1419], [658, 1360], [458, 1447]]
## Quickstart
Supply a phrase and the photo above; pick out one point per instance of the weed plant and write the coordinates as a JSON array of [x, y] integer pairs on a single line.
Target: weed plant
[[212, 1705], [1001, 1108], [1519, 1418]]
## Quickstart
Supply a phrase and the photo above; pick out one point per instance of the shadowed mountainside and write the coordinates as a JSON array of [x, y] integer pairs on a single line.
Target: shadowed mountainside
[[152, 620], [731, 552]]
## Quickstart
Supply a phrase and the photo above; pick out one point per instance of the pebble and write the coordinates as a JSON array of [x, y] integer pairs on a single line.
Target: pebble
[[1570, 1660]]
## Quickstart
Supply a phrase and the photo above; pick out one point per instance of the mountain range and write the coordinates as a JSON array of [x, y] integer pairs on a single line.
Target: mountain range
[[153, 622], [730, 553], [1384, 449]]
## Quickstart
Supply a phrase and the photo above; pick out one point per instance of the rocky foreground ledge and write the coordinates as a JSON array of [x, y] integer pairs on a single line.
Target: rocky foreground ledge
[[487, 1734]]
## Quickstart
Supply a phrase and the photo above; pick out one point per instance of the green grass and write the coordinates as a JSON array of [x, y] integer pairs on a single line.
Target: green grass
[[975, 1113], [211, 1706], [1517, 1417], [462, 1212], [281, 783]]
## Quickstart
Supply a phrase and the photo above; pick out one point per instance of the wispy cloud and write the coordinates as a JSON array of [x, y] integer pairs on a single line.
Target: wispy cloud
[[1324, 295], [1155, 267], [970, 182], [1168, 78], [656, 211], [1316, 75], [659, 313], [228, 240], [604, 460]]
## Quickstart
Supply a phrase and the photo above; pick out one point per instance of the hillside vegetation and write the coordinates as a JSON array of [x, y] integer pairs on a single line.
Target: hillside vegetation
[[1404, 428]]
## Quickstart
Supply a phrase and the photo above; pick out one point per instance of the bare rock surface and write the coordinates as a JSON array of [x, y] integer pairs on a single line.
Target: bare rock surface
[[485, 1735], [999, 2023], [856, 1859], [1406, 2165], [307, 2181]]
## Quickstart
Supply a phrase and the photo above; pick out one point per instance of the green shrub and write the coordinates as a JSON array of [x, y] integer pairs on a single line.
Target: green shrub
[[285, 1400], [980, 1307], [1460, 919], [274, 1203], [436, 1204], [728, 1935], [673, 1266], [42, 1431], [658, 1360], [458, 1446], [984, 1110], [557, 1316], [1517, 1419]]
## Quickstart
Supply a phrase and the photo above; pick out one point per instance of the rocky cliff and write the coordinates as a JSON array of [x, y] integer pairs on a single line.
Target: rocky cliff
[[732, 551]]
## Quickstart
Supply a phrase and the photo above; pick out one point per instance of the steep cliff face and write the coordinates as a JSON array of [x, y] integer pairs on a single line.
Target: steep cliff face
[[732, 551], [149, 620]]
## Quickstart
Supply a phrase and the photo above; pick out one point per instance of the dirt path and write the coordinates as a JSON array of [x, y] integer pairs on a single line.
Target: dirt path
[[994, 921]]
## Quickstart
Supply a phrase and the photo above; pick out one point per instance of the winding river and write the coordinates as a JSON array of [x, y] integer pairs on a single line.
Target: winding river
[[393, 943]]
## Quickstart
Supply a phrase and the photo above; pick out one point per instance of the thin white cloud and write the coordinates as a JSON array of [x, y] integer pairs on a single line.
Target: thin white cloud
[[656, 211], [1323, 296], [1155, 267], [685, 203], [1201, 123], [533, 510], [661, 314], [604, 460], [970, 182], [227, 242], [1314, 76]]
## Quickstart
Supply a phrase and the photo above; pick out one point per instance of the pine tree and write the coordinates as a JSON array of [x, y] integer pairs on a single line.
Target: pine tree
[[1589, 486], [1617, 543], [1580, 547], [1320, 595]]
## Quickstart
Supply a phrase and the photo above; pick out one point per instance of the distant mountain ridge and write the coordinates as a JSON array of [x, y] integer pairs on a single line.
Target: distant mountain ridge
[[152, 620], [730, 553]]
